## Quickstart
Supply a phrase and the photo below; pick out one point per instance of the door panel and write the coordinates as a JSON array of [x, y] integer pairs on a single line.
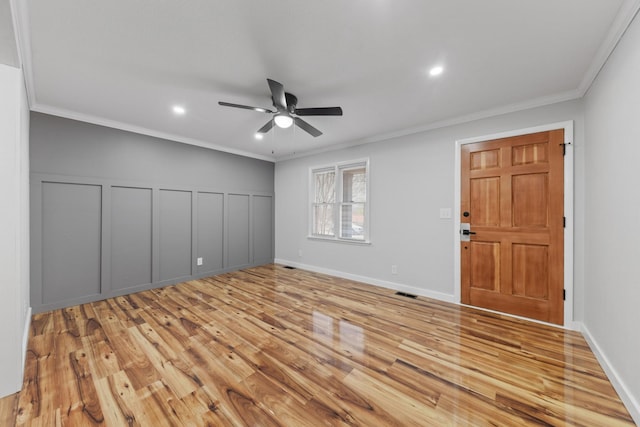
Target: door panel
[[530, 201], [530, 267], [487, 159], [485, 201], [530, 153], [512, 195], [485, 265]]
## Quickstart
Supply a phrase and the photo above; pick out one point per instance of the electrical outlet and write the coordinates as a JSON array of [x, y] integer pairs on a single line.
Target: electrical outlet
[[394, 269], [299, 252], [199, 261]]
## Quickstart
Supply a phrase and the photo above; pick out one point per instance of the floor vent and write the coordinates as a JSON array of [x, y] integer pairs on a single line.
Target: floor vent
[[289, 267], [404, 294]]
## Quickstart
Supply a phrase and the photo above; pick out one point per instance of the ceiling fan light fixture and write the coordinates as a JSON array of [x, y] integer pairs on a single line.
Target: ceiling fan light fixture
[[283, 120]]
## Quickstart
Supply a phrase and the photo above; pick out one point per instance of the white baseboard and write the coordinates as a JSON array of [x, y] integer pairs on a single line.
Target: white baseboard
[[631, 402], [25, 339], [371, 281], [574, 326]]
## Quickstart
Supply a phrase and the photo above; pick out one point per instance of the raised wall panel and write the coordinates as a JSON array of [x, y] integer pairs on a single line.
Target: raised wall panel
[[131, 228], [71, 241], [262, 229], [210, 231], [238, 230], [175, 234]]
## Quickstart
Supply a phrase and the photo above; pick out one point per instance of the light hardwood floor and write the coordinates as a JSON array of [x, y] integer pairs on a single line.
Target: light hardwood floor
[[270, 346]]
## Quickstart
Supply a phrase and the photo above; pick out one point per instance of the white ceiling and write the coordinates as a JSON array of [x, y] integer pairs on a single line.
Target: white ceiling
[[125, 63]]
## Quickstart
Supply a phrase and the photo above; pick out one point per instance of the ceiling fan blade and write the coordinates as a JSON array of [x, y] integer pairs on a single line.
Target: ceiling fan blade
[[307, 127], [246, 107], [277, 93], [321, 111], [267, 127]]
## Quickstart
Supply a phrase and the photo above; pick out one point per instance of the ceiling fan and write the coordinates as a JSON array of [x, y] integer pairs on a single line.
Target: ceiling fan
[[286, 110]]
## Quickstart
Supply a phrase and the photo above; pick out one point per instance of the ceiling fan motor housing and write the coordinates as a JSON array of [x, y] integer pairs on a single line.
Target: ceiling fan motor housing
[[292, 101]]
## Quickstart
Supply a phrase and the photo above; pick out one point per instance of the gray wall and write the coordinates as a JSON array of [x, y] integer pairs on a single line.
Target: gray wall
[[115, 212], [612, 109]]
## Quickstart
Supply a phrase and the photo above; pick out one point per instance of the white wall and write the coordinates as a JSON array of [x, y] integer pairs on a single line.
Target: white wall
[[412, 177], [612, 282], [14, 228]]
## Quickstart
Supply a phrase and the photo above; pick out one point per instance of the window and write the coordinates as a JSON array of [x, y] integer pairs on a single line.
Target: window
[[339, 201]]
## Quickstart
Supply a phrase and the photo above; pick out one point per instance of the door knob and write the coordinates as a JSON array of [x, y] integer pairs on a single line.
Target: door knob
[[465, 232]]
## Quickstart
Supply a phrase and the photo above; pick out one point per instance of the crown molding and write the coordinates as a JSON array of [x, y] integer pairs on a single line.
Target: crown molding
[[626, 14], [68, 114], [492, 112], [20, 17]]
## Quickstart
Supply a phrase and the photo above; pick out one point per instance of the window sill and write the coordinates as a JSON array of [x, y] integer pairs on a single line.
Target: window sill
[[337, 240]]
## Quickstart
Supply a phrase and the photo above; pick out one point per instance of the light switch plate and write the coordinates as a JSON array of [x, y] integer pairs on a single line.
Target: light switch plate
[[445, 213]]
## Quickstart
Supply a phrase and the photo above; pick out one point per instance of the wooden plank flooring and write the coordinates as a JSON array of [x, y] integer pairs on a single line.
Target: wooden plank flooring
[[270, 346]]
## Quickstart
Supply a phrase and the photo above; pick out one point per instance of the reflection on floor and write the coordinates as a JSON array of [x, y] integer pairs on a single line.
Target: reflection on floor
[[272, 346]]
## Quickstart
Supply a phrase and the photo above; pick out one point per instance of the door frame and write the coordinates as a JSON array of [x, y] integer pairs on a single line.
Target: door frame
[[568, 210]]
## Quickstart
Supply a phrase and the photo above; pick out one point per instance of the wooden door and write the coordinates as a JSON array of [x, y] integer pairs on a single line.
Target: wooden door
[[512, 196]]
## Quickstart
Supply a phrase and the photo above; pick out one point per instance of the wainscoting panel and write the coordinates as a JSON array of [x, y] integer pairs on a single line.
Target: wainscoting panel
[[71, 241], [262, 228], [131, 228], [210, 231], [238, 230], [93, 239], [175, 234]]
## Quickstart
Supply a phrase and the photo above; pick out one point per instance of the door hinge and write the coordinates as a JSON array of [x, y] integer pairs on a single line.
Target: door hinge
[[564, 222], [564, 295], [564, 148]]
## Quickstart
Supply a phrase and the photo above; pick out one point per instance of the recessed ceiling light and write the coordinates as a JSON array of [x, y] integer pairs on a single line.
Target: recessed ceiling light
[[179, 110], [259, 136], [436, 71]]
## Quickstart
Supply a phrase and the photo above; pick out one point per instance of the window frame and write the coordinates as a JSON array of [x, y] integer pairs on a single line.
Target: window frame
[[338, 169]]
